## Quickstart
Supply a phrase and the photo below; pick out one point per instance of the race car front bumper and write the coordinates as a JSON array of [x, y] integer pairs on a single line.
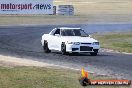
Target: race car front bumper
[[82, 48]]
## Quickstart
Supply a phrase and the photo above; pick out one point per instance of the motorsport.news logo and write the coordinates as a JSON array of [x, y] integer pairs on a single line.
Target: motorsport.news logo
[[29, 6]]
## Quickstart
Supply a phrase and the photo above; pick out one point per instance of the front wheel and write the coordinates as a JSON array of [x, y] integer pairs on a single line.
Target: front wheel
[[63, 49], [94, 53]]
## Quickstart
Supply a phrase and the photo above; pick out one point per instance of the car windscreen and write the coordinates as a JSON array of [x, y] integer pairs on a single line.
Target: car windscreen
[[73, 32]]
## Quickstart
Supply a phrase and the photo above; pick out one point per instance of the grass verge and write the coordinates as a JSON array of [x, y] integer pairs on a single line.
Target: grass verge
[[34, 77], [121, 42]]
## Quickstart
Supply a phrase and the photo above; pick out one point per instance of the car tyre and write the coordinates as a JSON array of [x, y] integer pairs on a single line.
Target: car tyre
[[45, 47], [63, 49]]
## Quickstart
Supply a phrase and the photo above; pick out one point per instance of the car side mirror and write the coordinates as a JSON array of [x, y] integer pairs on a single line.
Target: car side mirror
[[57, 35], [90, 36]]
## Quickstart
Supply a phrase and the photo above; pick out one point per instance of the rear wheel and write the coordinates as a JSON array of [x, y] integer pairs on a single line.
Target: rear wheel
[[45, 47], [63, 49]]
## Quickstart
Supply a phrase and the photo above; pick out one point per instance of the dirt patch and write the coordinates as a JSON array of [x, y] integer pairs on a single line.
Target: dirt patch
[[13, 61]]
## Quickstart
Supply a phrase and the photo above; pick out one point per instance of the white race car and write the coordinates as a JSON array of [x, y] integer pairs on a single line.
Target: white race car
[[69, 40]]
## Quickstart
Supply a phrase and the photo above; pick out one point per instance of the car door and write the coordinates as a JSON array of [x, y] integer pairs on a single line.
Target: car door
[[55, 39]]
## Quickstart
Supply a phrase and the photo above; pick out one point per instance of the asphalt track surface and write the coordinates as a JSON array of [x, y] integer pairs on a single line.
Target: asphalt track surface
[[24, 42]]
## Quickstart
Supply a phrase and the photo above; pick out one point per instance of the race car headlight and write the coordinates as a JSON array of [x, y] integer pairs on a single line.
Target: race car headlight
[[75, 43], [95, 43]]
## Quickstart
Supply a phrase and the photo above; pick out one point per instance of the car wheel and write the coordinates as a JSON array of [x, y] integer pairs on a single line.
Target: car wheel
[[45, 47], [63, 49], [93, 54]]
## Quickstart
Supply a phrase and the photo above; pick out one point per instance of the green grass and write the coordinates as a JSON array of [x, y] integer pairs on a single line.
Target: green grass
[[116, 41], [85, 7], [62, 20], [41, 19], [35, 77]]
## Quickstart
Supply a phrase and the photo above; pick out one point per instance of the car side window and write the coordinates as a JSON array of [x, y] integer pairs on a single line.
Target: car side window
[[57, 31], [77, 32]]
